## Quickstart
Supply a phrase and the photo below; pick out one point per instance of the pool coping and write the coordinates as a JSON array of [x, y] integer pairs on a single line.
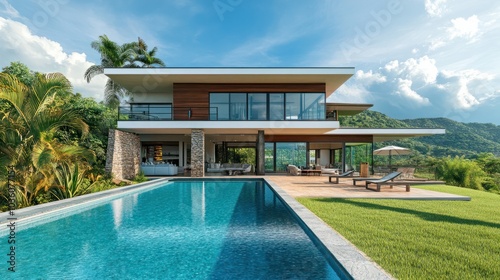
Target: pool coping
[[354, 261]]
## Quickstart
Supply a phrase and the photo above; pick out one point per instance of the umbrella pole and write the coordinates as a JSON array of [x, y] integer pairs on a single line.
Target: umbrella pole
[[390, 161]]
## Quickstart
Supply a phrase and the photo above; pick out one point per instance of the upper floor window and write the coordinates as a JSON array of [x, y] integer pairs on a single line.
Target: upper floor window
[[267, 106]]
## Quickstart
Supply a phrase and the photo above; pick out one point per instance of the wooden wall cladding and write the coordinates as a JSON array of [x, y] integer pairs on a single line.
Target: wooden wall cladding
[[191, 96], [196, 96]]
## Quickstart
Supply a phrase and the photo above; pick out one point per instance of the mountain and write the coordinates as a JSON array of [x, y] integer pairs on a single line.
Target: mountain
[[467, 139]]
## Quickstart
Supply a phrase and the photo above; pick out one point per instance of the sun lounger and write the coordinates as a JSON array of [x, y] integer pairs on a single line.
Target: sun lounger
[[401, 183], [345, 174], [388, 177]]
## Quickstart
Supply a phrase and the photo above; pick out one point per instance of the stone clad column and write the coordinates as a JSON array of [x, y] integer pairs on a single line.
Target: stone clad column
[[123, 154], [197, 153], [260, 166]]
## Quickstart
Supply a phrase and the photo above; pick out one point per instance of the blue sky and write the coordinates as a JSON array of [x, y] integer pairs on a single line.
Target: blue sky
[[415, 58]]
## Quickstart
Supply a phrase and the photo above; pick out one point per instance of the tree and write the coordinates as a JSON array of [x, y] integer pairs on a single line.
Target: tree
[[98, 117], [147, 58], [113, 55], [27, 133], [21, 71]]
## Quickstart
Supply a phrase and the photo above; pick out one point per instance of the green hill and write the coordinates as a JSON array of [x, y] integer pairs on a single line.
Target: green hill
[[467, 139]]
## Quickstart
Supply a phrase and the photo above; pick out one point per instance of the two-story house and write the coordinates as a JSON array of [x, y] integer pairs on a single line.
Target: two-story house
[[190, 117]]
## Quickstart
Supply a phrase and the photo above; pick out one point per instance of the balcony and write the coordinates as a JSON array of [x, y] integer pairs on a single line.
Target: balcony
[[167, 112]]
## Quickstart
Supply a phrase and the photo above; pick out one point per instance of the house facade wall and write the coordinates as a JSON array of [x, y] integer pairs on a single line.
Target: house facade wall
[[151, 97], [123, 155]]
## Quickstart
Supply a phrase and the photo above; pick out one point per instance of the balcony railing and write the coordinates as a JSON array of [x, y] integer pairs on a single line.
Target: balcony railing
[[167, 112], [154, 112]]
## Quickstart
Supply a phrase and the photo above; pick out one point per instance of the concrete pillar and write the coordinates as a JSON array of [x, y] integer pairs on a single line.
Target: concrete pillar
[[260, 168], [197, 153]]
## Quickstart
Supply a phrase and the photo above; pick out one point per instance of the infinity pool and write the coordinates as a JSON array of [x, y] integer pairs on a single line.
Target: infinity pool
[[187, 229]]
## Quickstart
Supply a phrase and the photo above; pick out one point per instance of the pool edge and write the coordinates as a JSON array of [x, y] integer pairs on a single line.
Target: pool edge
[[354, 261]]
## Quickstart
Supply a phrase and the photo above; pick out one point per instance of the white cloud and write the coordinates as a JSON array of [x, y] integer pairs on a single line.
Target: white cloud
[[469, 88], [17, 43], [460, 28], [435, 7], [370, 77], [404, 89], [422, 70], [464, 28]]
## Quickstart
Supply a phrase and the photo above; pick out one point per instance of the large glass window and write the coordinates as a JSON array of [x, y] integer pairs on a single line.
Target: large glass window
[[257, 106], [220, 102], [293, 106], [276, 106], [290, 153], [313, 106], [238, 106], [267, 106], [305, 106], [280, 155], [269, 157]]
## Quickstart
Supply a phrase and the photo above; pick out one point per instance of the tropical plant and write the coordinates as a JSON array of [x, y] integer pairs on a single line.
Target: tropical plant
[[99, 118], [71, 180], [147, 58], [113, 55], [139, 178], [27, 132], [21, 71]]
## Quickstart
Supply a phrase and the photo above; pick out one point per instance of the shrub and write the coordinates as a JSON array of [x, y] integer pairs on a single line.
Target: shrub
[[492, 183], [44, 198], [460, 172], [139, 178]]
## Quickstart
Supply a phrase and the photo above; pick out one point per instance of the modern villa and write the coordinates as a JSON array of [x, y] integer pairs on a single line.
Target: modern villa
[[192, 118]]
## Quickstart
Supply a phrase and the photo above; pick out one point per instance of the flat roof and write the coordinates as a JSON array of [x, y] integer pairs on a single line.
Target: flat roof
[[161, 80], [387, 134]]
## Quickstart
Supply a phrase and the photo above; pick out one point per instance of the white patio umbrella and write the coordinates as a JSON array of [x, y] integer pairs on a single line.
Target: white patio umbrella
[[391, 150]]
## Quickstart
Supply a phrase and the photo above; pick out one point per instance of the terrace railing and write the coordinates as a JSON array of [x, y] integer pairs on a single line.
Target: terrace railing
[[155, 112], [167, 112]]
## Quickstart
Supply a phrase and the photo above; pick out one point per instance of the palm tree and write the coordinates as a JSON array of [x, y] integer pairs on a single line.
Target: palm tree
[[112, 56], [147, 58], [133, 54], [27, 137]]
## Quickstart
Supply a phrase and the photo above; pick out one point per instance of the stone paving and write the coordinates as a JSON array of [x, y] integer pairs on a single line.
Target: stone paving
[[318, 186]]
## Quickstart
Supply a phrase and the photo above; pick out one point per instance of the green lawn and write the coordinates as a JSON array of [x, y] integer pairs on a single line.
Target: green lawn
[[416, 239]]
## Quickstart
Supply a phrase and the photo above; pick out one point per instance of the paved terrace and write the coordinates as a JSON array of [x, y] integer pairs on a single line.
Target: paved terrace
[[318, 186]]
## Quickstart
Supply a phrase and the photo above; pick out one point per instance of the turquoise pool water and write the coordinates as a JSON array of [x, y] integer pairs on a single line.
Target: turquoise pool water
[[183, 230]]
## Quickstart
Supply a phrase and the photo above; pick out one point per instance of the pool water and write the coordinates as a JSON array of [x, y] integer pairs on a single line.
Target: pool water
[[183, 230]]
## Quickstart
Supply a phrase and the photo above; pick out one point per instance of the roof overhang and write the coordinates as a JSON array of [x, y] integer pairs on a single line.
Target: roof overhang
[[347, 109], [387, 134], [161, 80]]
